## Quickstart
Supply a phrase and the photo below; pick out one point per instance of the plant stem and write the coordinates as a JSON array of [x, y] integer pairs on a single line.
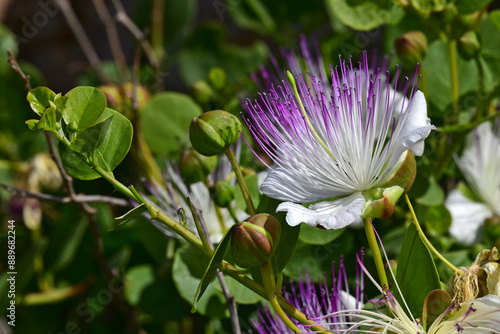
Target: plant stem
[[423, 80], [377, 257], [452, 53], [232, 213], [426, 241], [201, 233], [241, 181], [270, 286]]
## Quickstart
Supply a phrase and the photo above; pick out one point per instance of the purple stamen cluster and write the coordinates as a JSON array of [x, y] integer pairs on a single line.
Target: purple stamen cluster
[[316, 301]]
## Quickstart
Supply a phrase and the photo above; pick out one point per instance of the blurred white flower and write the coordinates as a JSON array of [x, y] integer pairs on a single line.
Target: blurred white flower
[[480, 164]]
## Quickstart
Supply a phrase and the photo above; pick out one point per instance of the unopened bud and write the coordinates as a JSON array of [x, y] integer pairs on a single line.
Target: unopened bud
[[195, 167], [214, 131], [113, 96], [411, 48], [222, 193], [202, 92], [217, 77], [468, 45], [142, 95], [254, 241]]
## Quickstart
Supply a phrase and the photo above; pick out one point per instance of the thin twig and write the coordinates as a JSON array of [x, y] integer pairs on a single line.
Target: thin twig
[[113, 38], [123, 18], [15, 66], [59, 199], [231, 304], [81, 36]]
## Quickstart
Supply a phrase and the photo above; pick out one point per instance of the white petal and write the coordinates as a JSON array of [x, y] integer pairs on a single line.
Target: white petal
[[417, 126], [330, 215], [483, 318], [467, 216], [281, 185], [350, 302]]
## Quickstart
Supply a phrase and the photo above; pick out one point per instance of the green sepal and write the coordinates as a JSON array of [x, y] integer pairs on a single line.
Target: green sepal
[[380, 202], [435, 304], [404, 172]]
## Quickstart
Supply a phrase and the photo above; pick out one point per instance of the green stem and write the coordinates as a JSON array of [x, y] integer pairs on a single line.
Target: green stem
[[377, 257], [481, 86], [241, 180], [267, 273], [261, 12], [203, 238], [426, 241], [452, 53]]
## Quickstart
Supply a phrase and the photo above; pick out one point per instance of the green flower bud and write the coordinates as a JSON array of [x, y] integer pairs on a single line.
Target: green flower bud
[[195, 167], [222, 193], [468, 45], [113, 96], [142, 95], [202, 92], [214, 131], [254, 241], [217, 77], [449, 13], [411, 48], [72, 126]]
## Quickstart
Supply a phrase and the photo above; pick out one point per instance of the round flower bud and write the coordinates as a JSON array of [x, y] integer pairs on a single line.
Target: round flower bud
[[411, 48], [222, 193], [214, 131], [217, 77], [254, 241], [468, 45], [194, 167], [142, 95], [113, 96], [202, 92]]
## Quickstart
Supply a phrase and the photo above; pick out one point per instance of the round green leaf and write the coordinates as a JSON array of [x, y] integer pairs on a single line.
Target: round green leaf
[[110, 138], [165, 121], [84, 106], [315, 236], [137, 279]]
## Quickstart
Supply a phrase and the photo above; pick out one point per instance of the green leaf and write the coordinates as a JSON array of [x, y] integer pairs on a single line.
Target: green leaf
[[214, 263], [109, 142], [39, 99], [366, 15], [437, 219], [495, 18], [83, 106], [417, 274], [122, 220], [315, 236], [434, 194], [165, 121], [470, 6], [427, 6], [137, 279], [188, 268], [69, 246], [252, 182], [439, 77], [7, 42], [241, 294]]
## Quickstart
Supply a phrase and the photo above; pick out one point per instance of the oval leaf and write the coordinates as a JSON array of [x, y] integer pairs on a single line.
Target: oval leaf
[[110, 138], [165, 121], [84, 106], [39, 99]]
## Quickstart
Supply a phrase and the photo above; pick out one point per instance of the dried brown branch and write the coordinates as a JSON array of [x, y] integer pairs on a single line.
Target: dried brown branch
[[79, 198], [15, 66]]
